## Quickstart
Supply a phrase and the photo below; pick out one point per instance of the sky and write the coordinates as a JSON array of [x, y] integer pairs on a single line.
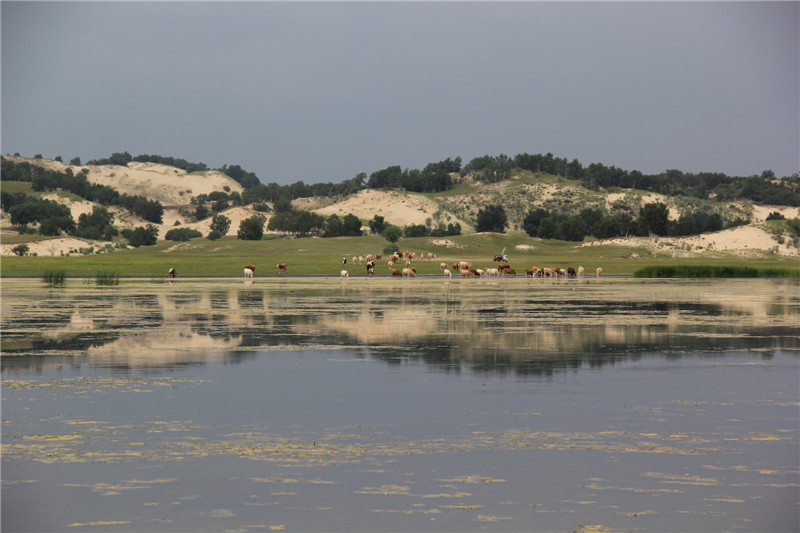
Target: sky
[[322, 91]]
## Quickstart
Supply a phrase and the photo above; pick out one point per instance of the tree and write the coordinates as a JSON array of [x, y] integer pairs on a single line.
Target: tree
[[221, 224], [201, 212], [141, 236], [492, 218], [55, 225], [251, 229], [377, 225], [351, 225], [392, 233], [333, 227], [573, 228], [76, 161], [532, 220], [416, 230], [653, 218]]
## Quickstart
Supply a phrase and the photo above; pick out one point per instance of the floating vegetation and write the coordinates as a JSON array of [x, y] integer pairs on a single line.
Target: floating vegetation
[[709, 271], [54, 278]]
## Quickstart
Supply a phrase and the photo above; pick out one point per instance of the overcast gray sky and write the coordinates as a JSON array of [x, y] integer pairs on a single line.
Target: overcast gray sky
[[322, 91]]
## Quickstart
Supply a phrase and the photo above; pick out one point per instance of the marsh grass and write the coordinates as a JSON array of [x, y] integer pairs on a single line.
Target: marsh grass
[[106, 278], [54, 278], [713, 271]]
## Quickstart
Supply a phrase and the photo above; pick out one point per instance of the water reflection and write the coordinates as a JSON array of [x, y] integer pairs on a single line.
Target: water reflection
[[519, 326]]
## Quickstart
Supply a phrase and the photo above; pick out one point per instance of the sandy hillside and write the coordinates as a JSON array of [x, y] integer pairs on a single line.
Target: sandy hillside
[[743, 240], [638, 199], [165, 184], [235, 214], [53, 247], [396, 208], [57, 247]]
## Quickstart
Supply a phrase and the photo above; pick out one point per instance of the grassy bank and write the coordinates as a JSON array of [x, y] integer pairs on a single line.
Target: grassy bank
[[314, 256], [714, 271]]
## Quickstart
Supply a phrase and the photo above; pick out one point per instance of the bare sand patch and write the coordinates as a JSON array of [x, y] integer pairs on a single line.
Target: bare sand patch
[[741, 240], [52, 247], [401, 209]]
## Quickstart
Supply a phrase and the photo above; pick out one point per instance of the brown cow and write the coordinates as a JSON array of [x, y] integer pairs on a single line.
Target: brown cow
[[172, 272], [396, 273], [508, 271], [282, 267], [249, 271]]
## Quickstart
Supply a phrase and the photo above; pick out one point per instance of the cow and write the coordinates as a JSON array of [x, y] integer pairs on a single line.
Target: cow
[[172, 273], [396, 273], [571, 272], [282, 267], [249, 271]]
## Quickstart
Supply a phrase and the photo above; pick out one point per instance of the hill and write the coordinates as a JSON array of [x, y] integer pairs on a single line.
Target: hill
[[174, 188]]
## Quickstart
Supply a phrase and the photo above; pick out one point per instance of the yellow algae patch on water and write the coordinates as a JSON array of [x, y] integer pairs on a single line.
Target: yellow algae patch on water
[[763, 438], [477, 506], [386, 490], [684, 479], [474, 479], [591, 528], [492, 518], [101, 523], [221, 513], [72, 436]]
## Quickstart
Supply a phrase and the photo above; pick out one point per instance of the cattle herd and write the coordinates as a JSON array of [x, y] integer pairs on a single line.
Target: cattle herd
[[400, 266]]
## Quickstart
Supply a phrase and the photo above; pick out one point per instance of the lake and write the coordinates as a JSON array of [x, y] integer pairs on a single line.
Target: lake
[[325, 404]]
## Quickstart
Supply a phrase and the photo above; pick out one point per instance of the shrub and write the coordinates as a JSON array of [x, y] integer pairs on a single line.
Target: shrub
[[20, 249], [214, 235], [182, 234]]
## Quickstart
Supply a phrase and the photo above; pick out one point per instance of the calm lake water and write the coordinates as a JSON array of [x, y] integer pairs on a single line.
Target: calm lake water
[[320, 404]]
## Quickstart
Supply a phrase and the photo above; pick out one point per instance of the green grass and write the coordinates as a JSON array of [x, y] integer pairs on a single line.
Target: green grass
[[17, 186], [315, 256]]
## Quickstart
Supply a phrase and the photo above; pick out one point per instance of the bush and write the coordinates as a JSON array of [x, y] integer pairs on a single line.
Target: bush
[[182, 234], [20, 249], [141, 236], [214, 235]]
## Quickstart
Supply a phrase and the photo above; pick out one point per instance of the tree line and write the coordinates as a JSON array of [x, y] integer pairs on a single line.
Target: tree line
[[437, 177], [43, 180]]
